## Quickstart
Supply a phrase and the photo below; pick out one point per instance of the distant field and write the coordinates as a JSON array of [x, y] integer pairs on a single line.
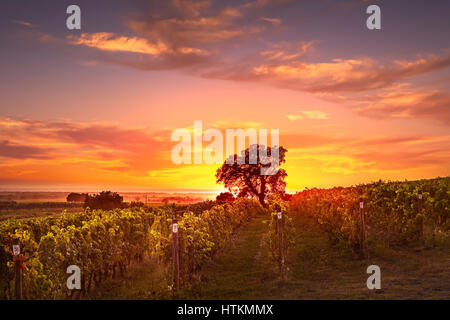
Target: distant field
[[27, 209], [149, 197], [23, 210], [23, 205]]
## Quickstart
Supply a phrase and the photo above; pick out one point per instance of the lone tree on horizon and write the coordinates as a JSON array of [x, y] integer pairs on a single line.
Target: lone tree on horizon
[[225, 197], [247, 177], [105, 200]]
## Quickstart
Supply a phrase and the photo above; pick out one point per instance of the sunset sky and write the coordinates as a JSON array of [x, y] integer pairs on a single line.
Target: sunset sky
[[94, 109]]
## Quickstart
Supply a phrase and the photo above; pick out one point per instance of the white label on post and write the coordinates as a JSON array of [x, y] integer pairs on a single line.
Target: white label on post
[[420, 196], [175, 228], [361, 204], [279, 215], [16, 249]]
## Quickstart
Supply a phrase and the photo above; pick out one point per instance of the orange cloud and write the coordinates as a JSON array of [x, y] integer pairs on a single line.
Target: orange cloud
[[382, 156], [111, 42], [310, 114], [102, 143], [17, 151], [266, 3], [346, 74], [403, 102], [236, 125], [182, 31], [287, 51], [275, 21], [25, 23], [107, 154], [191, 8]]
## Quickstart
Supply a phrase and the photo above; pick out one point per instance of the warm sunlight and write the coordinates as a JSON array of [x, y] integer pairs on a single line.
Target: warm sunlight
[[204, 151]]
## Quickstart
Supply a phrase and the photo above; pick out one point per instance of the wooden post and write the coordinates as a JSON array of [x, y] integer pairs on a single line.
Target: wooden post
[[363, 229], [175, 255], [419, 205], [280, 244], [18, 268]]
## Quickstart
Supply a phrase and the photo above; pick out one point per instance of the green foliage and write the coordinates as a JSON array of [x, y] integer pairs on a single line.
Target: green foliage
[[199, 207], [391, 210], [254, 173], [105, 200], [104, 243], [201, 236], [76, 197], [277, 204], [225, 197]]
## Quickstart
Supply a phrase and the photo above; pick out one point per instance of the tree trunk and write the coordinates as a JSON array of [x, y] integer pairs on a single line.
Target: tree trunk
[[262, 193], [261, 200]]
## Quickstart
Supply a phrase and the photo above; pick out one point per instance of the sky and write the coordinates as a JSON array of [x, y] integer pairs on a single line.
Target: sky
[[95, 108]]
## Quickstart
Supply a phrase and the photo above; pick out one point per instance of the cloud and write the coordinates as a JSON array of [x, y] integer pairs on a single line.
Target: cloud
[[98, 146], [294, 117], [236, 125], [310, 114], [161, 56], [32, 33], [191, 8], [383, 141], [196, 35], [275, 21], [199, 36], [228, 23], [285, 51], [266, 3], [297, 142], [403, 102], [111, 42], [25, 23], [315, 114], [349, 155], [345, 75], [405, 160], [17, 151], [88, 136], [109, 136], [117, 169], [218, 40], [103, 152]]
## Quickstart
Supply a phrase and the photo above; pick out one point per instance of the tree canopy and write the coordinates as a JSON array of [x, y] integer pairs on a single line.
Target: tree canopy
[[244, 173], [105, 200], [225, 197], [76, 197]]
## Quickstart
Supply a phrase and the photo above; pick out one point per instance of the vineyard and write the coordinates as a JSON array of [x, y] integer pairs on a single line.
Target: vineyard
[[105, 243], [394, 212], [273, 244]]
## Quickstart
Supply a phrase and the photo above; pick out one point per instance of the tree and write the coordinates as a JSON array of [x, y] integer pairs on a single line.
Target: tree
[[105, 200], [76, 197], [246, 176], [225, 197]]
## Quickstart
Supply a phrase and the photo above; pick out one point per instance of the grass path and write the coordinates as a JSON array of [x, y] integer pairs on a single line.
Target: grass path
[[322, 271], [317, 270], [244, 270]]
